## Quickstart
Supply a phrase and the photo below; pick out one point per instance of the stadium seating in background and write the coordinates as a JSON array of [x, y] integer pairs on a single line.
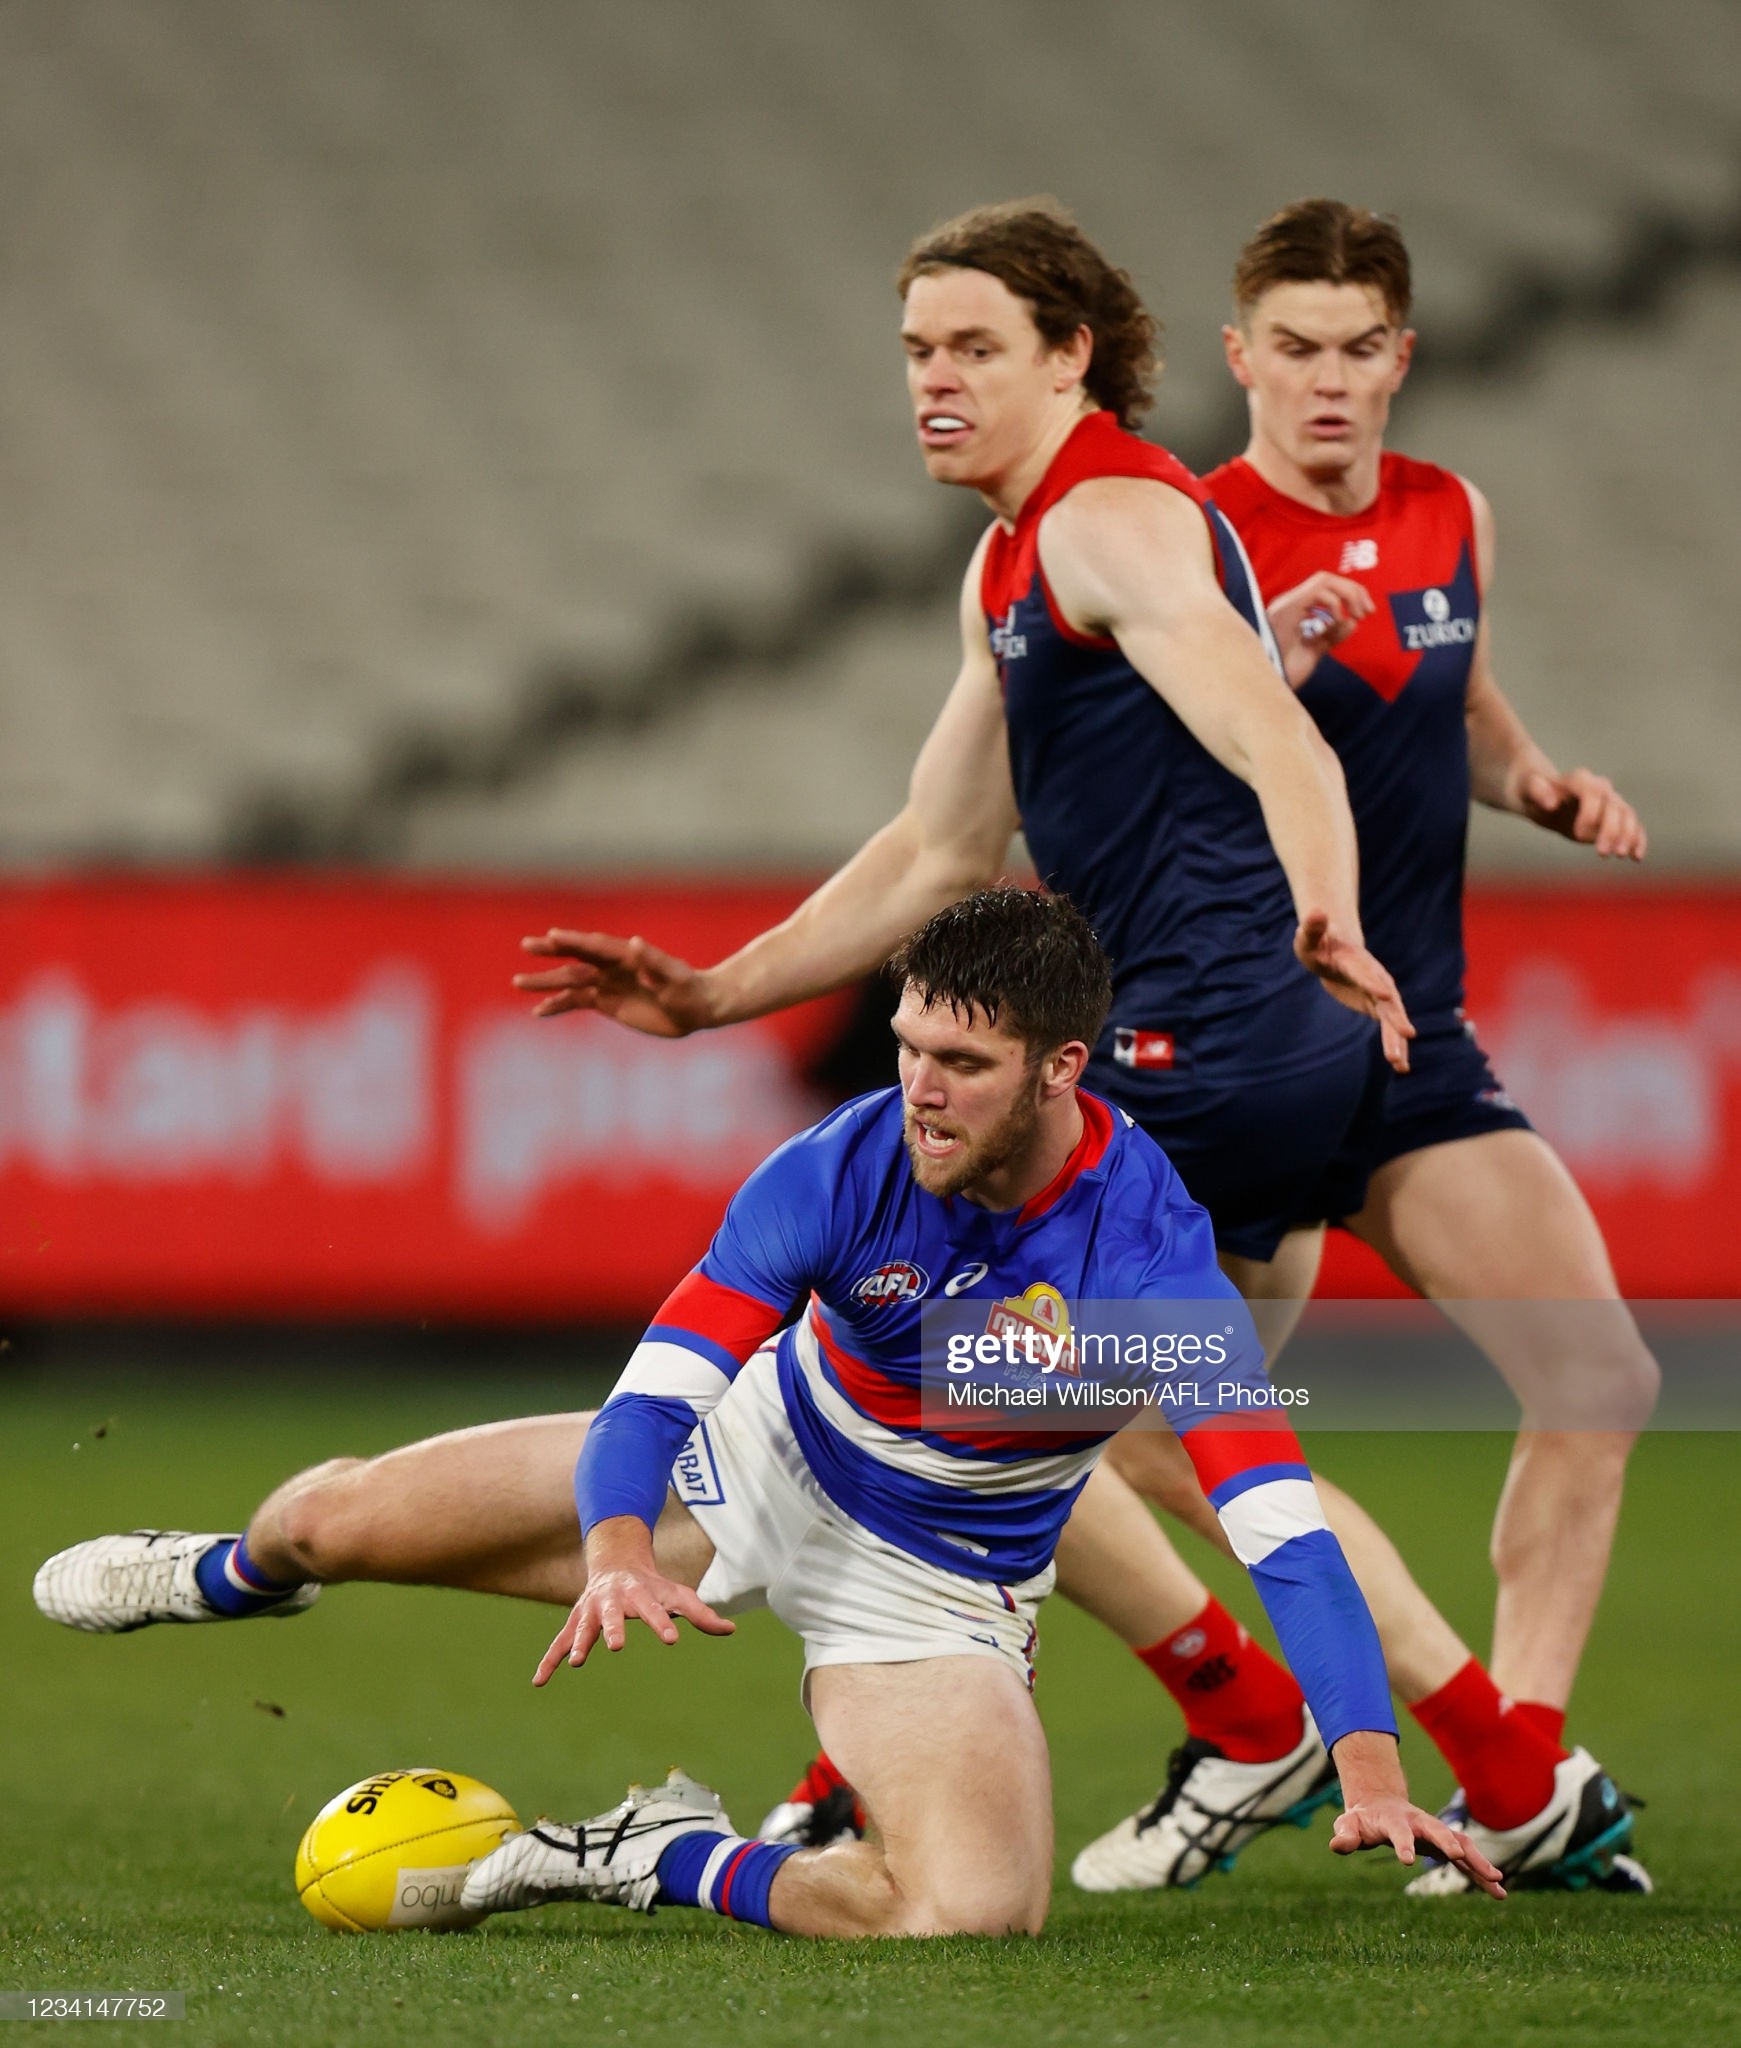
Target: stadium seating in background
[[401, 404]]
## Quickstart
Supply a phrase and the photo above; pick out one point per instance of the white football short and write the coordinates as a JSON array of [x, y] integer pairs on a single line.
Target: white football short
[[780, 1542]]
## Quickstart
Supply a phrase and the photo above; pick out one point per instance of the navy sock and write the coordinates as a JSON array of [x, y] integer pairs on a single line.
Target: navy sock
[[722, 1874], [233, 1583]]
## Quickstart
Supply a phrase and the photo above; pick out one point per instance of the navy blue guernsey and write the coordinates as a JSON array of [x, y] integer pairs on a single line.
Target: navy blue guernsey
[[1128, 814], [1391, 699]]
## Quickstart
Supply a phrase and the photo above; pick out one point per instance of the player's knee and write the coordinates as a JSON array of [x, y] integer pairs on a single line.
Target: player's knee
[[315, 1519], [991, 1909]]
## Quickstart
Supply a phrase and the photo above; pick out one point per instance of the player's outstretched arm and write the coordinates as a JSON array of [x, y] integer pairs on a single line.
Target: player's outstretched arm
[[950, 838], [1509, 772], [1133, 558]]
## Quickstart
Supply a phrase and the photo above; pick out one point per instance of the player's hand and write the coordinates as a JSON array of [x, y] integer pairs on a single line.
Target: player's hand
[[1394, 1823], [1315, 616], [1586, 807], [1354, 977], [626, 980], [615, 1598]]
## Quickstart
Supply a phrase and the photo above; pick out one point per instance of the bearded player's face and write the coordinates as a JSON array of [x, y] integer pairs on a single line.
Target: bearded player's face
[[971, 1100], [1322, 363], [983, 383]]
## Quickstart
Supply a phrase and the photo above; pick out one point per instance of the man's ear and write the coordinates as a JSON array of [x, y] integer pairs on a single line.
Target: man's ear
[[1062, 1070], [1235, 347], [1405, 354], [1070, 359]]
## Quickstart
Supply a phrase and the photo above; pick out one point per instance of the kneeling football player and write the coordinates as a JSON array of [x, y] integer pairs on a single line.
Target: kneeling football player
[[745, 1459]]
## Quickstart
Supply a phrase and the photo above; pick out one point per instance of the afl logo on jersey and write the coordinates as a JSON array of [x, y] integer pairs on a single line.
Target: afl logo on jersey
[[1006, 643], [897, 1281]]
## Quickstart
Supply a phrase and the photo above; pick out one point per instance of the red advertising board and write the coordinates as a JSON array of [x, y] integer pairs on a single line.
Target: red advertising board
[[247, 1097], [1612, 1011], [319, 1096]]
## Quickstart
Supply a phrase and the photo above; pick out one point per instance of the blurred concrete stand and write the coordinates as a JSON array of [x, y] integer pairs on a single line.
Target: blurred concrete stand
[[472, 432]]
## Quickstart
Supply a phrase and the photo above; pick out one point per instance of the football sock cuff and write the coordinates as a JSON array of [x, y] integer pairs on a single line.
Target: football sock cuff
[[231, 1582], [722, 1874], [1231, 1690], [1504, 1762]]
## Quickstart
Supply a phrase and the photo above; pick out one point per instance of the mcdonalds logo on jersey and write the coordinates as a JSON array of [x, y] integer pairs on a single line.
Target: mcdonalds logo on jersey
[[899, 1280], [1036, 1326]]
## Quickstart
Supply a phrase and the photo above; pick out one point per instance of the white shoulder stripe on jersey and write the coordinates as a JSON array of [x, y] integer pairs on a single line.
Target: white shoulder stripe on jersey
[[673, 1372], [1264, 631], [1265, 1517], [1045, 1474]]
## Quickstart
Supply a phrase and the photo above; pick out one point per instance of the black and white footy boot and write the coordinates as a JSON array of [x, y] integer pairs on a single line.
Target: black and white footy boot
[[1578, 1841], [111, 1585], [612, 1860], [1208, 1811]]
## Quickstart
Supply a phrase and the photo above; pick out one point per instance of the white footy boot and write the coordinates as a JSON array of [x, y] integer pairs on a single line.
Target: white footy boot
[[1209, 1809], [1574, 1843], [113, 1584], [613, 1860]]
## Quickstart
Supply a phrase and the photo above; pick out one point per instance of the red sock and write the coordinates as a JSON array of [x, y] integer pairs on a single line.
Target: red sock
[[819, 1779], [1548, 1721], [1232, 1691], [1504, 1761]]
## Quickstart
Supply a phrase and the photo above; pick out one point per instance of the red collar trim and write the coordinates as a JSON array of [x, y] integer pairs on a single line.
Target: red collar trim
[[1097, 1129], [1279, 502]]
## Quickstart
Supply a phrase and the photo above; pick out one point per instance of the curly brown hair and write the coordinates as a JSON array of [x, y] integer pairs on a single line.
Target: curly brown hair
[[1029, 960], [1325, 241], [1036, 250]]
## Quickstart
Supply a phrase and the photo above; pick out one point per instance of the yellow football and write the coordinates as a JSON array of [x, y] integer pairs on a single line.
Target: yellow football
[[393, 1850]]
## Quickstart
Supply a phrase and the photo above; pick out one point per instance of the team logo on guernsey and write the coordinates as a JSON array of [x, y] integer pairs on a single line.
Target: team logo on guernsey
[[1358, 554], [1039, 1322], [1426, 619], [1133, 1048], [899, 1280], [1006, 643]]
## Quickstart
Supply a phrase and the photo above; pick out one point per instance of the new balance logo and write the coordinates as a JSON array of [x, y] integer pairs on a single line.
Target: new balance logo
[[1358, 554]]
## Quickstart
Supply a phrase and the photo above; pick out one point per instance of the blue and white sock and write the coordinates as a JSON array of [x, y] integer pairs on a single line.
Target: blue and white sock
[[722, 1874], [230, 1580]]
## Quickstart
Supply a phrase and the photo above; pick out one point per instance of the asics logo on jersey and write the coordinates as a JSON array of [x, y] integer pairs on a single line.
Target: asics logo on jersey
[[899, 1280], [1358, 554], [969, 1276], [1006, 643]]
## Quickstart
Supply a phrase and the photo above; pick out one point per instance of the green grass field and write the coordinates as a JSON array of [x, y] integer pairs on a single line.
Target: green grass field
[[152, 1802]]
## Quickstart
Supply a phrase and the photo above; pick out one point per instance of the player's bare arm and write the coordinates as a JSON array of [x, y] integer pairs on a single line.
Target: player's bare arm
[[949, 839], [624, 1584], [1132, 558], [1508, 771]]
